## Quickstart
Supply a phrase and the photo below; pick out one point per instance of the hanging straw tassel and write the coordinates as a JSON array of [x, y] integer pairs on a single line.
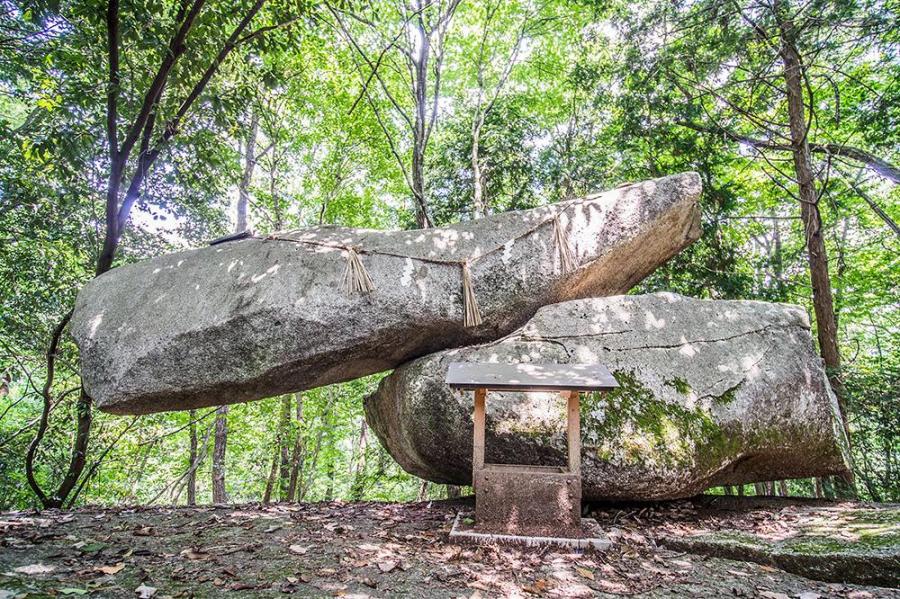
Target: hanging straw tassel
[[472, 316], [563, 247], [356, 279]]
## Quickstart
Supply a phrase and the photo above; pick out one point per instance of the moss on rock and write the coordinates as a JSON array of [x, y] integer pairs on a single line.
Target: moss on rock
[[680, 385], [630, 425]]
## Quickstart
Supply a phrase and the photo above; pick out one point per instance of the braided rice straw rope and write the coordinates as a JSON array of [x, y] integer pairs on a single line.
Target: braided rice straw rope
[[357, 280], [471, 313]]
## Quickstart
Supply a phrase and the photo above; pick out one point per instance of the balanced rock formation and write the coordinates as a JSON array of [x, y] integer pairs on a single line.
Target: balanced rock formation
[[711, 393], [258, 317]]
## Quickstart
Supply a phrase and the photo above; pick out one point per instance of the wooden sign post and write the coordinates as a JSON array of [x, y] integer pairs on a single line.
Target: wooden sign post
[[528, 500]]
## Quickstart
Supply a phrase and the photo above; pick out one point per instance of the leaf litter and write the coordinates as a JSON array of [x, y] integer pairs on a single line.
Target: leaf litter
[[363, 549]]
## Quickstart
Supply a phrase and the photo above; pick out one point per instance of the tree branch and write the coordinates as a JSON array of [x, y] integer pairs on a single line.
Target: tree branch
[[112, 92], [176, 48], [147, 158], [45, 411], [880, 166]]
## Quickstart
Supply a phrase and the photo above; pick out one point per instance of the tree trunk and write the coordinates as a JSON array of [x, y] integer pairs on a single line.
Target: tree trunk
[[247, 176], [330, 474], [221, 440], [116, 216], [192, 473], [479, 208], [357, 489], [423, 491], [420, 94], [826, 324], [783, 488], [778, 260], [418, 190], [284, 442], [218, 466], [317, 448], [453, 491], [270, 480], [297, 454], [330, 470]]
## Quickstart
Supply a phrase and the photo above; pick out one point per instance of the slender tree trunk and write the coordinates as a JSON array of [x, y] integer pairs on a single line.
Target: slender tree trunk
[[759, 488], [357, 490], [418, 190], [247, 176], [297, 453], [330, 470], [330, 474], [116, 216], [728, 490], [420, 94], [194, 466], [317, 449], [138, 473], [479, 208], [311, 472], [218, 466], [826, 323], [284, 442], [221, 439], [423, 491], [778, 260], [270, 480], [783, 488], [5, 380], [192, 473], [418, 168], [453, 491]]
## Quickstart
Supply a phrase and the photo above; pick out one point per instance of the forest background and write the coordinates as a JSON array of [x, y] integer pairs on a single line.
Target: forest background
[[140, 127]]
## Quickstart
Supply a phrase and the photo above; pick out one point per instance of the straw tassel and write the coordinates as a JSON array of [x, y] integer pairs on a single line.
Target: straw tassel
[[472, 316], [356, 279], [563, 247]]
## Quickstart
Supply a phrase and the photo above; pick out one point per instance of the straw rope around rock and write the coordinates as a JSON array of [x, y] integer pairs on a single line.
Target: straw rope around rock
[[471, 313], [357, 280], [563, 248]]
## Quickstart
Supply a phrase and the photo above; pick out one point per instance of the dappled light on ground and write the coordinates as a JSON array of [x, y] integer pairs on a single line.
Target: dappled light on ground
[[367, 550]]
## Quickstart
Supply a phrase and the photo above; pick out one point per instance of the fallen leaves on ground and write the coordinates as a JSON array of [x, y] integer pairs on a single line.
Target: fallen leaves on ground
[[110, 569], [35, 569], [145, 592], [364, 549]]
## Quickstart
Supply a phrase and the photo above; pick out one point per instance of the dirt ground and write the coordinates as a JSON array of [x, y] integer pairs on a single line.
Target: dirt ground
[[362, 550]]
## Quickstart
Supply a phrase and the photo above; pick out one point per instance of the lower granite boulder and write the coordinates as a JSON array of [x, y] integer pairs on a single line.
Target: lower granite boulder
[[711, 393]]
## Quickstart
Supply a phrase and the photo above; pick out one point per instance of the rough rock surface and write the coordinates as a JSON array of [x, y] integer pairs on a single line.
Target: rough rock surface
[[711, 393], [259, 317], [823, 540]]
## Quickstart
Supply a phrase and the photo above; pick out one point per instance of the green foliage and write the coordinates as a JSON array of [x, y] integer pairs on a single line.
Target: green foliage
[[598, 94]]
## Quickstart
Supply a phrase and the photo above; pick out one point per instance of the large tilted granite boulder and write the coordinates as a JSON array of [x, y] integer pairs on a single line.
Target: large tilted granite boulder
[[258, 317], [712, 392]]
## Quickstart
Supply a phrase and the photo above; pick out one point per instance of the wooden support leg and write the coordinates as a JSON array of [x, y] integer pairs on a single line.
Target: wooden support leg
[[574, 432], [478, 451]]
